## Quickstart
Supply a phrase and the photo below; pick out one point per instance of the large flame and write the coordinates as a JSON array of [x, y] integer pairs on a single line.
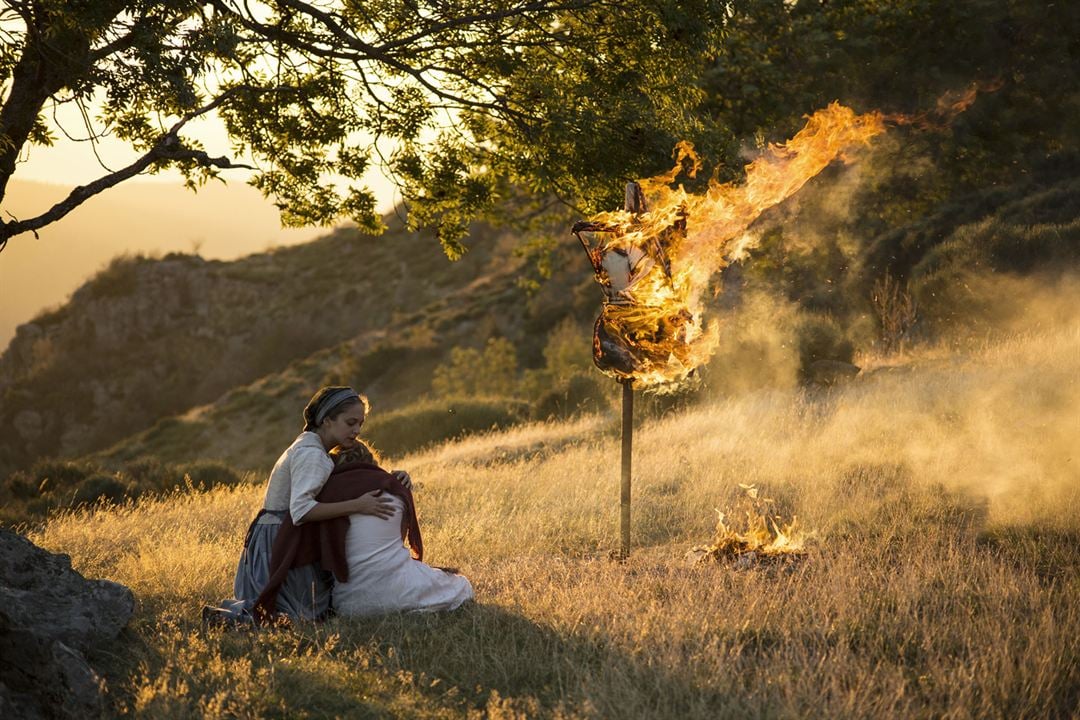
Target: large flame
[[658, 319]]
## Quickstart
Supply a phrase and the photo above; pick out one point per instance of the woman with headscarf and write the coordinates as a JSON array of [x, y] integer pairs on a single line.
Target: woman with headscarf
[[332, 418]]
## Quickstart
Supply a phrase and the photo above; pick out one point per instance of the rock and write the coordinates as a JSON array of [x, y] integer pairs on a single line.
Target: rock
[[50, 616]]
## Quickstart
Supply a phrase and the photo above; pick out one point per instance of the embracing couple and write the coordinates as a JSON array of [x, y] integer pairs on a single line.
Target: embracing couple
[[331, 535]]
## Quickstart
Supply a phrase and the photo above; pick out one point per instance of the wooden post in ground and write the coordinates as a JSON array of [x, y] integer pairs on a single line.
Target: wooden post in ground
[[627, 454], [633, 202]]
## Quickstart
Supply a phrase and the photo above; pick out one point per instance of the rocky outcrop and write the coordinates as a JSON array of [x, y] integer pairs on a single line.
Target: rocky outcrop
[[50, 618]]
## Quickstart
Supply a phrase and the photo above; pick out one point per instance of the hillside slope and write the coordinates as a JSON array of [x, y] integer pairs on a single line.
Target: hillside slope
[[247, 426], [146, 339]]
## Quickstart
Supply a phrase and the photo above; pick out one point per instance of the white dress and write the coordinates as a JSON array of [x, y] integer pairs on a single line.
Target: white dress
[[383, 576]]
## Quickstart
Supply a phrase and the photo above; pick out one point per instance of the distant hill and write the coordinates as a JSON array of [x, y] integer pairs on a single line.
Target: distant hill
[[219, 222], [146, 339]]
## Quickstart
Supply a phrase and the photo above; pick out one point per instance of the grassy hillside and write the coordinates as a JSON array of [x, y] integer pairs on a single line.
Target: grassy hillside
[[147, 339], [941, 496]]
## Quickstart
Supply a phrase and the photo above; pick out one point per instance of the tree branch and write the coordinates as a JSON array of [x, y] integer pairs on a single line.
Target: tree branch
[[167, 147]]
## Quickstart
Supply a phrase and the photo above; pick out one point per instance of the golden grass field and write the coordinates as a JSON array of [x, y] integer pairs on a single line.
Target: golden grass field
[[942, 495]]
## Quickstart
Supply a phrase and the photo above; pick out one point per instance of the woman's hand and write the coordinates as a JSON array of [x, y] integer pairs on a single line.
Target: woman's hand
[[404, 477], [373, 503]]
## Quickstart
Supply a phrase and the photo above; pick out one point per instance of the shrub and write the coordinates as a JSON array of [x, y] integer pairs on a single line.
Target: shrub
[[59, 474], [21, 486], [568, 351], [209, 474], [492, 372], [101, 486], [118, 279], [149, 473], [580, 392], [896, 310]]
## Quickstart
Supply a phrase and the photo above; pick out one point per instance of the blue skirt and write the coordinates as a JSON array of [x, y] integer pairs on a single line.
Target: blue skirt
[[306, 592]]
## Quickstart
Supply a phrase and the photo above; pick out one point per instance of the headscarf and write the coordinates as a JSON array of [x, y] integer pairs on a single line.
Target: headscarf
[[323, 404]]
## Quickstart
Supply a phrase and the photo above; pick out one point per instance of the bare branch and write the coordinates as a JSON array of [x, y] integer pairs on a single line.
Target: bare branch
[[168, 147]]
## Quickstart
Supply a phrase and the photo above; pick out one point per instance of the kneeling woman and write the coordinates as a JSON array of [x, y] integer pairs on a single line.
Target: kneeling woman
[[331, 419]]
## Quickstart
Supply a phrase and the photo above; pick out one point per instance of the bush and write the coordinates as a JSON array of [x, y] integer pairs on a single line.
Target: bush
[[492, 372], [58, 475], [433, 421], [209, 474], [580, 392], [119, 279], [148, 473], [21, 486], [101, 486]]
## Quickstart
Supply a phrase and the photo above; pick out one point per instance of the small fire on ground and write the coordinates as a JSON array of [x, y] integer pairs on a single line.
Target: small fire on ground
[[760, 537]]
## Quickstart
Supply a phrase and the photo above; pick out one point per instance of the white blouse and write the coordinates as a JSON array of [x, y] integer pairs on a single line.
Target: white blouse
[[298, 476]]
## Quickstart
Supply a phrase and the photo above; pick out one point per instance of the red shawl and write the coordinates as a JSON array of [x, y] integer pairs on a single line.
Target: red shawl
[[324, 541]]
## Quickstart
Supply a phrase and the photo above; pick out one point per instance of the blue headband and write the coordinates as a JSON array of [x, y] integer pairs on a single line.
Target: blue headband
[[332, 401]]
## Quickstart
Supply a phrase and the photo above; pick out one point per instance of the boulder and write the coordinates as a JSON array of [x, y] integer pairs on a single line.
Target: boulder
[[50, 617]]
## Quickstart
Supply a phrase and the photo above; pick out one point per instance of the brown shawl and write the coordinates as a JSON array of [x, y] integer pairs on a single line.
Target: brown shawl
[[324, 541]]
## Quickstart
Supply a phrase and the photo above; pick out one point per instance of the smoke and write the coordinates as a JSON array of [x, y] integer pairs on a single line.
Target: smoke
[[992, 422]]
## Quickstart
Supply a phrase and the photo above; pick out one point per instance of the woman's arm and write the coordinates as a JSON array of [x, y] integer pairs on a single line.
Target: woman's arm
[[309, 468], [371, 503]]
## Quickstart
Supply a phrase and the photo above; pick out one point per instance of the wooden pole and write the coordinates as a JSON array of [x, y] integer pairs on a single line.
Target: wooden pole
[[633, 202], [627, 453]]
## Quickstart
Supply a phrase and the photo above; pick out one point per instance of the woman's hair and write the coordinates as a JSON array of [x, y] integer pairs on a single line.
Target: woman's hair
[[330, 402], [361, 453]]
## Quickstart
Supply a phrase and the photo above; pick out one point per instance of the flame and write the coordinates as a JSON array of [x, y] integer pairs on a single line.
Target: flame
[[655, 326], [948, 106], [763, 536]]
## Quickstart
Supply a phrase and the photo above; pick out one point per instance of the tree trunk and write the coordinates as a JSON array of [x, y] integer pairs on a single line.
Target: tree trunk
[[29, 91]]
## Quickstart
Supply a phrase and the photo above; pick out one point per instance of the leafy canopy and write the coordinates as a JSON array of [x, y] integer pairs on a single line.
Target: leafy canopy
[[460, 101]]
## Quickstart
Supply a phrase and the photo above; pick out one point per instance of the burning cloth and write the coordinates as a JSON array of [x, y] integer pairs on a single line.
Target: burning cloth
[[643, 332]]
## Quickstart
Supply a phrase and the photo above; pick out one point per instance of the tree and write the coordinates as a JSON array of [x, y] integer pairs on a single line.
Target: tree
[[557, 98]]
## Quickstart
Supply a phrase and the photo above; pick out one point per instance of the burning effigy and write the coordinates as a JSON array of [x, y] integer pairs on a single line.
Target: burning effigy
[[655, 258], [643, 332]]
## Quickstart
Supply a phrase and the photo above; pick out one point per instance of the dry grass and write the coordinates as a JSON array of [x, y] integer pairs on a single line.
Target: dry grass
[[943, 581]]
